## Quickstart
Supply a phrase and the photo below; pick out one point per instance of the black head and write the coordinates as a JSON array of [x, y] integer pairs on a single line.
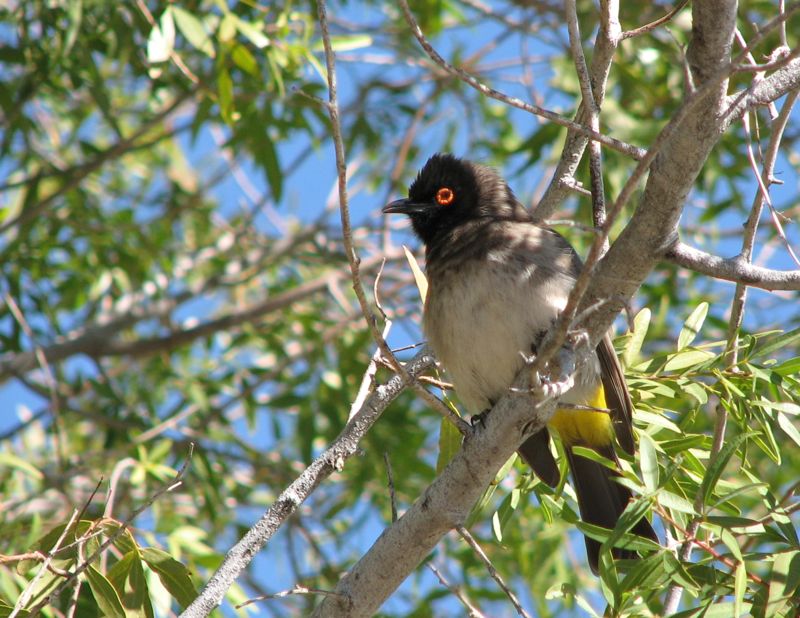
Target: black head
[[449, 192]]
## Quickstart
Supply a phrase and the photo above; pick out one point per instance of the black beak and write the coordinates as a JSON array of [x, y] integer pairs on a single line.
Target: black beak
[[405, 206]]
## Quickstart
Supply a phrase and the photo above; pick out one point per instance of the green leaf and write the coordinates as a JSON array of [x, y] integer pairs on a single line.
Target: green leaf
[[502, 516], [646, 418], [697, 391], [626, 540], [675, 502], [783, 581], [648, 461], [243, 59], [449, 444], [173, 575], [345, 43], [641, 322], [687, 358], [477, 510], [9, 460], [75, 11], [267, 158], [647, 574], [225, 92], [727, 538], [718, 465], [497, 529], [787, 407], [678, 574], [119, 572], [138, 601], [227, 28], [788, 428], [739, 588], [715, 609], [192, 28], [692, 325], [788, 368], [782, 341], [252, 32], [107, 598]]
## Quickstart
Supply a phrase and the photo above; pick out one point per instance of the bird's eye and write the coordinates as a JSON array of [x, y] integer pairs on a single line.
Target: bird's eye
[[445, 196]]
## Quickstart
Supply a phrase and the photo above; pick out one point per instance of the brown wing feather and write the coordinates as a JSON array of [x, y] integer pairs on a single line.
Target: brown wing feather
[[617, 397], [535, 451]]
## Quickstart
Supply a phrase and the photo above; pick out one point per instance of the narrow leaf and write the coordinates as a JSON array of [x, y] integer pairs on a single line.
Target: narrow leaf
[[636, 337], [648, 461], [692, 325], [257, 38], [687, 358], [161, 41], [107, 598], [739, 588], [192, 28], [173, 575], [716, 468], [419, 276], [449, 443]]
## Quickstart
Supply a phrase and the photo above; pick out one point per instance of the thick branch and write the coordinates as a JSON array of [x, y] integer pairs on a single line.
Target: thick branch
[[737, 269], [443, 506], [678, 156]]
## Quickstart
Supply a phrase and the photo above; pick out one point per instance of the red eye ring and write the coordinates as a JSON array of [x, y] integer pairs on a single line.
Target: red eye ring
[[445, 196]]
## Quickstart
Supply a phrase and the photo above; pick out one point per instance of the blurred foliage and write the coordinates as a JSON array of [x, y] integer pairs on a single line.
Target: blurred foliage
[[173, 274]]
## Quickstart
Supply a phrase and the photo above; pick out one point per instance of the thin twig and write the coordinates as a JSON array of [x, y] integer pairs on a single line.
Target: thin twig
[[654, 24], [615, 144], [465, 534], [733, 269], [344, 211], [605, 45], [472, 611], [751, 227], [343, 447], [595, 160], [296, 590], [23, 599], [79, 173], [390, 483], [50, 378]]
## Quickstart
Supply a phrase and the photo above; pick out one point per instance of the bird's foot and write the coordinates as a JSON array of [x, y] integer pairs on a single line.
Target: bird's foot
[[479, 420]]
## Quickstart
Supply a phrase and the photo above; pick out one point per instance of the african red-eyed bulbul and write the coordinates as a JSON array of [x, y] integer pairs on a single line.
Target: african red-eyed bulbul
[[496, 282]]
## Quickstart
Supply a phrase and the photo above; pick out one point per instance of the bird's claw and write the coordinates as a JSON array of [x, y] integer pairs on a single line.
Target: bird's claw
[[479, 420]]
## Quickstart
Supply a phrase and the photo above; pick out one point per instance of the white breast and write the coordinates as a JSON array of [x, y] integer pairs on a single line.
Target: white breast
[[479, 317]]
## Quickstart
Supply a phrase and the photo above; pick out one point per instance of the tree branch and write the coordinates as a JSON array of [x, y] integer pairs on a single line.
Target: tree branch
[[736, 269], [673, 161], [100, 341], [605, 45], [762, 93], [79, 173], [615, 144], [333, 459], [443, 506]]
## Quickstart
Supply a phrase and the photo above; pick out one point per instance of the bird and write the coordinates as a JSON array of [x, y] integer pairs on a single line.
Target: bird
[[497, 281]]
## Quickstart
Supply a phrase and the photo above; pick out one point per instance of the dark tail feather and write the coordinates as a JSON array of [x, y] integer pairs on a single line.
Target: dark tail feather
[[601, 502], [535, 451]]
